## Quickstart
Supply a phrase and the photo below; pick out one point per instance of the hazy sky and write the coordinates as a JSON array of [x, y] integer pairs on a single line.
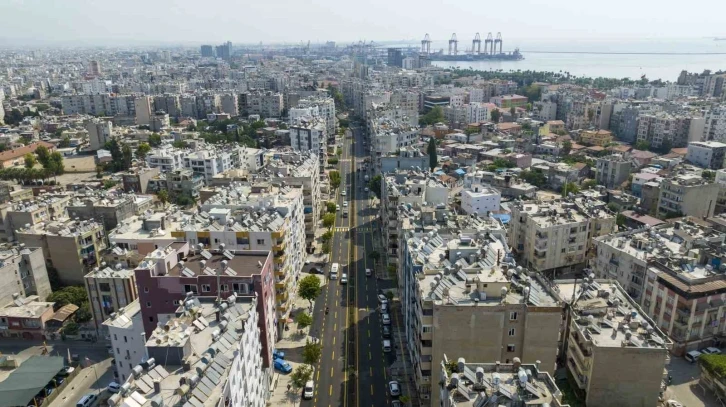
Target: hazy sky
[[245, 21]]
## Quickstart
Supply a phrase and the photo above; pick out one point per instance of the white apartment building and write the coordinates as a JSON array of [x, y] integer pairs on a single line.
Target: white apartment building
[[265, 104], [676, 131], [229, 104], [480, 200], [208, 163], [557, 234], [247, 385], [706, 154], [109, 290], [99, 132], [322, 107], [126, 330], [310, 136], [479, 112], [688, 194], [96, 86], [166, 158]]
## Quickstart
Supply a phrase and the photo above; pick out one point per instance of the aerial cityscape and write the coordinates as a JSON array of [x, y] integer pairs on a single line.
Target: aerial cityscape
[[408, 218]]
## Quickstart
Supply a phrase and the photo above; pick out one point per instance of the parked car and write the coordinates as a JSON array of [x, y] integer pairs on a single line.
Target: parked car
[[711, 351], [369, 272], [394, 388], [308, 390], [693, 356], [278, 354], [113, 387], [382, 299], [87, 400], [282, 366], [59, 380], [345, 204], [386, 319], [384, 308], [396, 403], [66, 371], [386, 331], [344, 278]]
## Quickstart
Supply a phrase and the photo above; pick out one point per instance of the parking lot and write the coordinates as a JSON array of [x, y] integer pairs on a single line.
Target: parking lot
[[685, 388]]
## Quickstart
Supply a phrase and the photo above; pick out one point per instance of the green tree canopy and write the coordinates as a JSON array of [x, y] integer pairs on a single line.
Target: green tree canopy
[[434, 116], [329, 220], [30, 160], [69, 295], [300, 376], [496, 115], [154, 140], [303, 320], [566, 147], [142, 151], [163, 196], [309, 288], [331, 207], [43, 155], [334, 179], [311, 352]]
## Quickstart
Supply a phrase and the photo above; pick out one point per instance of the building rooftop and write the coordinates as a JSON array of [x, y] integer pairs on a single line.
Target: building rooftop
[[109, 272], [500, 384], [25, 307], [608, 317], [123, 317]]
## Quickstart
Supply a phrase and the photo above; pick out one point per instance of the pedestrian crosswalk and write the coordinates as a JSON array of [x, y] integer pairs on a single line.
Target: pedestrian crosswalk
[[361, 230], [341, 229]]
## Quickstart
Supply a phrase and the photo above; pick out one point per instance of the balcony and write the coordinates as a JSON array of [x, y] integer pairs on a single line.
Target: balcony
[[680, 321], [282, 296], [279, 248], [280, 258], [540, 254], [281, 283], [278, 234]]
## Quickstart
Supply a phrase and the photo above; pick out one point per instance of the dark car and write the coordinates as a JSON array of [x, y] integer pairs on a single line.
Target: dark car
[[386, 331]]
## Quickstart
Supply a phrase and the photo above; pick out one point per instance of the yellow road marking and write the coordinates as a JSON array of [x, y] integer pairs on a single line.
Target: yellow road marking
[[333, 340], [370, 357], [369, 333], [318, 377], [333, 358], [335, 326], [371, 389], [330, 392], [331, 372]]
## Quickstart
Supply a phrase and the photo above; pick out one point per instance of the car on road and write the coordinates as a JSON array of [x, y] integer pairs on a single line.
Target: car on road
[[386, 345], [282, 366], [337, 208], [369, 273], [278, 354], [343, 278], [113, 387], [386, 319], [396, 403], [87, 400], [386, 331], [59, 380], [384, 308], [343, 192], [382, 299], [334, 271], [693, 356], [711, 351], [345, 204], [66, 371], [365, 189], [308, 390], [394, 388]]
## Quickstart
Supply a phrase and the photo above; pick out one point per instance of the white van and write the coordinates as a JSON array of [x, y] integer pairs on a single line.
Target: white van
[[87, 400], [334, 271], [386, 345], [693, 356]]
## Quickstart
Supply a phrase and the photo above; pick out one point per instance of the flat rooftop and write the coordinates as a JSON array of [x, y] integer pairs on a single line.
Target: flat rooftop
[[608, 317], [124, 316], [243, 265]]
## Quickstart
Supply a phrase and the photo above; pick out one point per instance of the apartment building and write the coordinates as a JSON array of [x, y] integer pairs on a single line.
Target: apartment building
[[168, 104], [144, 107], [235, 376], [715, 124], [706, 154], [70, 247], [509, 101], [322, 107], [480, 200], [166, 158], [599, 138], [109, 289], [557, 235], [16, 215], [99, 132], [613, 350], [658, 128], [687, 194], [109, 209], [230, 104], [260, 218], [137, 179], [612, 171], [310, 136], [266, 104], [125, 328], [102, 104], [145, 233], [473, 384], [208, 163], [23, 271], [388, 136], [165, 275], [464, 295]]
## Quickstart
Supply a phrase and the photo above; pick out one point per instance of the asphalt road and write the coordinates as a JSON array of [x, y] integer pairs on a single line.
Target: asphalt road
[[353, 368]]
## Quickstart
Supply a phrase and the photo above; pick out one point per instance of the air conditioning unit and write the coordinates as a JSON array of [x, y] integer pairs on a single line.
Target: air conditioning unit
[[426, 379], [426, 396]]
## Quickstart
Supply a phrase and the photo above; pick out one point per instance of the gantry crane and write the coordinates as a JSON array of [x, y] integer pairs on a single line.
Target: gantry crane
[[453, 42], [489, 44], [498, 41], [426, 44], [476, 45]]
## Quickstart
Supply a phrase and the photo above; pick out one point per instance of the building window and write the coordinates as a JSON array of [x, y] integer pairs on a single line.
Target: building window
[[225, 287], [148, 304], [260, 241], [190, 288], [175, 302], [125, 339], [427, 329], [104, 287], [511, 331], [151, 319], [206, 288], [513, 316], [146, 289], [510, 348], [115, 338]]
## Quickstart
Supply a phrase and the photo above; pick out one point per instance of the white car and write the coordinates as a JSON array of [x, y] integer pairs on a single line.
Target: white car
[[382, 299], [343, 278], [384, 308], [345, 204], [308, 390], [394, 388], [693, 356], [366, 189], [113, 387], [369, 273], [337, 208], [711, 351], [343, 193], [386, 319]]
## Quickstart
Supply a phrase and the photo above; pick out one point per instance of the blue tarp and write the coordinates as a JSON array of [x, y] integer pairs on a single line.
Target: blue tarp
[[460, 171], [503, 217]]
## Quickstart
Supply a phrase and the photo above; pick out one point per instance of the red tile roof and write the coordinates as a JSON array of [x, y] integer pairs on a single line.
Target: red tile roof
[[19, 152]]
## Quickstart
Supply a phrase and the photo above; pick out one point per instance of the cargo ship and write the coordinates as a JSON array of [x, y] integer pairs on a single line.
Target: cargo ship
[[502, 56]]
